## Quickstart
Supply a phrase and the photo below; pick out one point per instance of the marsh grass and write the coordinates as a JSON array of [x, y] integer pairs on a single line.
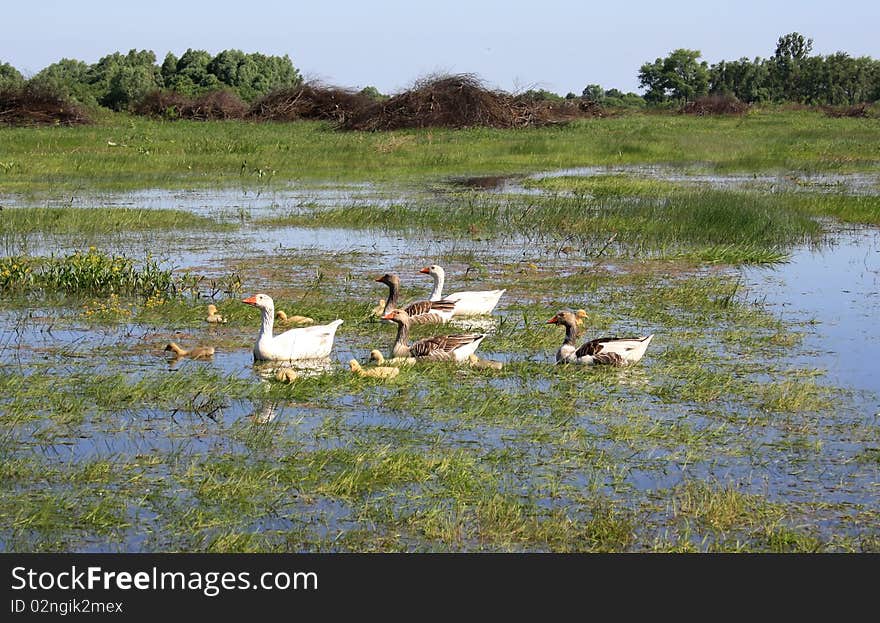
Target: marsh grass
[[68, 220], [87, 273], [706, 225], [125, 152]]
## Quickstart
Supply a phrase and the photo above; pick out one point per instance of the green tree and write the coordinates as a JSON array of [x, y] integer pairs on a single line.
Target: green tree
[[10, 78], [680, 77], [373, 93], [191, 75], [748, 81], [792, 51], [68, 78], [119, 80], [593, 93]]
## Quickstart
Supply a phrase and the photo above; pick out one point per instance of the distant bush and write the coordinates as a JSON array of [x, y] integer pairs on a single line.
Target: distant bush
[[10, 77]]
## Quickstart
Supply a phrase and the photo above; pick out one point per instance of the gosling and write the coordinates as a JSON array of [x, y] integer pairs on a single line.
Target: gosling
[[286, 375], [199, 352], [285, 319], [213, 316], [378, 372], [379, 358], [485, 364]]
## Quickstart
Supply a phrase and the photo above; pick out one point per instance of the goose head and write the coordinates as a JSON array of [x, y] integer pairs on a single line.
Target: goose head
[[399, 316], [565, 318], [433, 270], [389, 279], [377, 356], [262, 301]]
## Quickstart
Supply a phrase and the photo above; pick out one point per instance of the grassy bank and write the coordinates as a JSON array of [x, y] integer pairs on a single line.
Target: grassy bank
[[123, 152]]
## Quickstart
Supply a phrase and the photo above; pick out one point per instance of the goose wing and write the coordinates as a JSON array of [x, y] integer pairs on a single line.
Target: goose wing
[[443, 345], [613, 350]]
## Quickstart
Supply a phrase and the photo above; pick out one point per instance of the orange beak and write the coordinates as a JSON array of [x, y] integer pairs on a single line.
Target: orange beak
[[252, 300], [388, 316], [379, 279], [553, 320], [425, 270]]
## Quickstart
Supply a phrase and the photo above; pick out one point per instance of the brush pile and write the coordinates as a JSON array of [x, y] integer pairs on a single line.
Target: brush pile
[[309, 101], [458, 101], [858, 111], [31, 107], [715, 104], [211, 106]]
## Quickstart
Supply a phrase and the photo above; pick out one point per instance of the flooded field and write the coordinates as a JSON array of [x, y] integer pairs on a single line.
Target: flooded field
[[751, 424]]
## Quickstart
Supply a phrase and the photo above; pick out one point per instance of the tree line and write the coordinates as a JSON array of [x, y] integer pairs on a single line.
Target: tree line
[[119, 81], [790, 75]]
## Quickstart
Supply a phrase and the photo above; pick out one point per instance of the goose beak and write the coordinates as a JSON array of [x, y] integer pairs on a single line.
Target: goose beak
[[251, 300], [553, 320], [425, 270], [388, 316]]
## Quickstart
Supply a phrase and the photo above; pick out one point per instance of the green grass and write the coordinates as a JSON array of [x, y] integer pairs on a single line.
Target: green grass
[[149, 153], [605, 186], [103, 220], [705, 225]]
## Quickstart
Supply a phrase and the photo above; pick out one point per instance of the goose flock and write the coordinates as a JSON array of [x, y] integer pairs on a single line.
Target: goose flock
[[316, 341]]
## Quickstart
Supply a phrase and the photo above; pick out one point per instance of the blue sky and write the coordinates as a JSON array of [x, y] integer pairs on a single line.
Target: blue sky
[[513, 45]]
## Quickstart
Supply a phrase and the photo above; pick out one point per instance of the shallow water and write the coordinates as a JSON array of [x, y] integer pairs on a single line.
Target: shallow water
[[830, 293], [834, 291]]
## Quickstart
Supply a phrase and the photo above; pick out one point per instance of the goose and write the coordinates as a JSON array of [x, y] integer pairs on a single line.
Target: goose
[[301, 343], [199, 352], [379, 358], [438, 348], [283, 318], [470, 303], [420, 312], [286, 375], [377, 372], [604, 350], [484, 364], [213, 316]]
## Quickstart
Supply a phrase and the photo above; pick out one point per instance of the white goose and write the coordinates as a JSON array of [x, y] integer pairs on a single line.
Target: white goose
[[438, 348], [604, 350], [420, 312], [470, 303], [303, 343]]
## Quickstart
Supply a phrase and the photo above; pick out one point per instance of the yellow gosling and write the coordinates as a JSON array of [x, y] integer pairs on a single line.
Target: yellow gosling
[[213, 316], [379, 358], [378, 372], [199, 352], [286, 375], [486, 364], [285, 319]]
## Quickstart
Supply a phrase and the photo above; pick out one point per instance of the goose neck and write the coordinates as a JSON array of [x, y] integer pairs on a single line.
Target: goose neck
[[439, 280], [401, 347], [393, 293]]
